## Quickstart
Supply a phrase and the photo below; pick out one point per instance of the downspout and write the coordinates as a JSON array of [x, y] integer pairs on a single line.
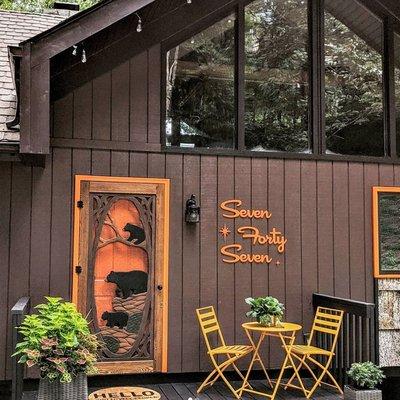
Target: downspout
[[14, 55]]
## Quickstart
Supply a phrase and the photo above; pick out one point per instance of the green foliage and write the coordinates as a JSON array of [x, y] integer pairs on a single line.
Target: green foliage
[[39, 6], [366, 375], [265, 309], [57, 340], [389, 215]]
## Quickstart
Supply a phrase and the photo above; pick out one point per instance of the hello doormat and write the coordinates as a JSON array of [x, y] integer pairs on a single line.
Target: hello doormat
[[125, 393]]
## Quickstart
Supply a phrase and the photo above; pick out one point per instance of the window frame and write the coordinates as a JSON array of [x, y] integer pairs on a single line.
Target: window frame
[[376, 192], [316, 103]]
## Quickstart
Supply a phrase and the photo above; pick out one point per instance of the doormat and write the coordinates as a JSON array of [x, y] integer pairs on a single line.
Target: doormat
[[125, 393]]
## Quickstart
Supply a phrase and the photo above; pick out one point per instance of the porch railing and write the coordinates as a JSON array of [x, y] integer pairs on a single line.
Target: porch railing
[[358, 340], [18, 313]]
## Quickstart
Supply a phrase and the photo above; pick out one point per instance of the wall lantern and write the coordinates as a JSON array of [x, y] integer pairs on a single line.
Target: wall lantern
[[192, 212]]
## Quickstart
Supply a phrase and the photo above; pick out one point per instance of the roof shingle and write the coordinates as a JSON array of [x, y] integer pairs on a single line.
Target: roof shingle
[[16, 27]]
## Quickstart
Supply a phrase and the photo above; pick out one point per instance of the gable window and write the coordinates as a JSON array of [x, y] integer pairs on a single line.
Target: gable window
[[353, 80], [276, 76], [396, 59], [200, 98], [287, 76]]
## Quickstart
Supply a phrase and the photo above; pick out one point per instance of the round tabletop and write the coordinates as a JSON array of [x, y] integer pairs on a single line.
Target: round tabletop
[[283, 327]]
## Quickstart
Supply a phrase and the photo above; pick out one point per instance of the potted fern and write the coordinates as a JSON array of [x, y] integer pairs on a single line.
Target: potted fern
[[267, 311], [365, 377], [57, 341]]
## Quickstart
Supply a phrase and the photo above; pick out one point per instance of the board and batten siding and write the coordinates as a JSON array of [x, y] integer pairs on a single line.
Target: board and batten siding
[[323, 207]]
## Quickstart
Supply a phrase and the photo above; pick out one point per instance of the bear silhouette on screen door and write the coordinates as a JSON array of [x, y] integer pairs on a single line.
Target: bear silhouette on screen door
[[128, 283], [136, 233]]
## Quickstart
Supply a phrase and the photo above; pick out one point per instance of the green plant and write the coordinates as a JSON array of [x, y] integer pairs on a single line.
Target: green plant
[[265, 309], [366, 375], [58, 341]]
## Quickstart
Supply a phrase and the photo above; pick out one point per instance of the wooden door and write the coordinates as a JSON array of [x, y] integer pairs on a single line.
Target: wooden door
[[120, 269]]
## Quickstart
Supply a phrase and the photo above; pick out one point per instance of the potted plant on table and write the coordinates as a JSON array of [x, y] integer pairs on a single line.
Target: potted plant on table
[[267, 311], [58, 341], [365, 377]]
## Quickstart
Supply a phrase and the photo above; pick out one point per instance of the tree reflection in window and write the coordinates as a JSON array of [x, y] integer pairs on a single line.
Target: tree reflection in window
[[397, 87], [200, 97], [353, 80], [276, 76]]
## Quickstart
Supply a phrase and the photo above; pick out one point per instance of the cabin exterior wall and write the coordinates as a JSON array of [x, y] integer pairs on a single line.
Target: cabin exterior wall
[[323, 208], [111, 126]]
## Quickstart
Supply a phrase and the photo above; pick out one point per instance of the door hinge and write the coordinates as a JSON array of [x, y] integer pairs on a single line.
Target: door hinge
[[78, 269], [79, 204]]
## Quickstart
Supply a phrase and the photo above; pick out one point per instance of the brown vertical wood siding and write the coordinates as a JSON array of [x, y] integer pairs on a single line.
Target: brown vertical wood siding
[[324, 208]]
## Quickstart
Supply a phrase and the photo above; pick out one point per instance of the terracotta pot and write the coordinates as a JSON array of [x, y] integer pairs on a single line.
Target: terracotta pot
[[351, 393], [76, 390]]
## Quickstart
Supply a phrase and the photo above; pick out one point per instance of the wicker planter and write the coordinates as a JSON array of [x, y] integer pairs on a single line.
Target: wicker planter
[[76, 390], [353, 394]]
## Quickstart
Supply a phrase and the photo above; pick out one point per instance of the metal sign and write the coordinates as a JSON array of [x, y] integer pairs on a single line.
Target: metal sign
[[272, 241], [125, 393]]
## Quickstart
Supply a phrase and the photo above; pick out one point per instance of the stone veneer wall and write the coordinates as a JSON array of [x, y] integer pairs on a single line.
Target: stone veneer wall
[[389, 322]]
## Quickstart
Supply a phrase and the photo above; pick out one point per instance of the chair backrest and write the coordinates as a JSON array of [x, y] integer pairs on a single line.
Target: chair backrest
[[209, 325], [327, 321]]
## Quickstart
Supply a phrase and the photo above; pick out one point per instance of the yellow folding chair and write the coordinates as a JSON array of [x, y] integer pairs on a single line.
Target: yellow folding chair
[[209, 326], [327, 321]]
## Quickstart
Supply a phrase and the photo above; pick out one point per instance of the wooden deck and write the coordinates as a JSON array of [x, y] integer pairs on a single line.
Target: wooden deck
[[185, 391]]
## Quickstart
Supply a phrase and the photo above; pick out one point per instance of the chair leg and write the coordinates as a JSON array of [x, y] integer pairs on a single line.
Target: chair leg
[[240, 374], [325, 371], [228, 384], [207, 381], [317, 383], [333, 380], [294, 373]]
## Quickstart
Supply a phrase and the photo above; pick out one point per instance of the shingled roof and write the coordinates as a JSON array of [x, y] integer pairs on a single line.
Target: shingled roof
[[16, 27]]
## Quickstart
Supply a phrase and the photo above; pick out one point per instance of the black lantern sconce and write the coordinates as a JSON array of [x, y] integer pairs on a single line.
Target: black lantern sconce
[[192, 212]]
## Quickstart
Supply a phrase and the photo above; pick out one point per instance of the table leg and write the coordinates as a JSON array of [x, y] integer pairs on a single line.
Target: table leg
[[285, 362], [288, 360], [258, 357]]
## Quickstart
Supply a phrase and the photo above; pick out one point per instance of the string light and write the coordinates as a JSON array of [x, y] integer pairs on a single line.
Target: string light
[[139, 27], [189, 1], [83, 56], [75, 49]]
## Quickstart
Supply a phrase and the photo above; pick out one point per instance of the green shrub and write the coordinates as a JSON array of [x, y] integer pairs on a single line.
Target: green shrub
[[58, 341], [265, 309], [366, 375]]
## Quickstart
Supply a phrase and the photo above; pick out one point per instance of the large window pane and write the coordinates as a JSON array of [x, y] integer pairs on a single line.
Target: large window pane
[[353, 79], [276, 76], [397, 87], [200, 101]]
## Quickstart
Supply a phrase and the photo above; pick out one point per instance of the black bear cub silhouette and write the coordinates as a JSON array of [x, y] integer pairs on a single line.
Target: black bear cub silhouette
[[119, 319], [128, 283], [137, 234]]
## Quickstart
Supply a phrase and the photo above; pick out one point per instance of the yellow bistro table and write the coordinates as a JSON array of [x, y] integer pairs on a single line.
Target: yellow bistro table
[[286, 332]]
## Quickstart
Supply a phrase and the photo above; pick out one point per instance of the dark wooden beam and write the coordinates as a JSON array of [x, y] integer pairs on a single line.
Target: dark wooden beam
[[105, 145], [169, 27], [82, 26]]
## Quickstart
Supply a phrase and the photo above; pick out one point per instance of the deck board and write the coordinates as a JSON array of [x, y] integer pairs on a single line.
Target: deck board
[[184, 391]]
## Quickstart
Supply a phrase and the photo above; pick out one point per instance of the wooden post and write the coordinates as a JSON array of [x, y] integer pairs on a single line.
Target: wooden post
[[18, 313]]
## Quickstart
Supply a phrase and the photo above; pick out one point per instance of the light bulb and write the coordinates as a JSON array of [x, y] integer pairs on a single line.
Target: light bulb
[[75, 49], [83, 56], [139, 27]]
